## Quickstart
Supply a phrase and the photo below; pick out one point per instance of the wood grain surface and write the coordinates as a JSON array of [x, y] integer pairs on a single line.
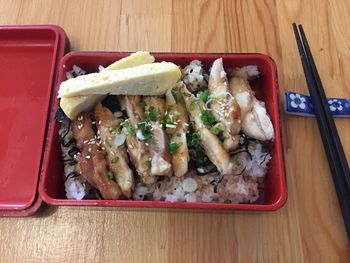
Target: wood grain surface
[[308, 228]]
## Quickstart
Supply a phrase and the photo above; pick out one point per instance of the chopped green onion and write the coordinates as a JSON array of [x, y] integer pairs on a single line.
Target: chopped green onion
[[192, 105], [110, 175], [169, 125], [178, 134], [143, 104], [118, 114], [220, 142], [173, 146], [115, 159], [113, 130], [207, 118], [145, 128], [168, 121], [152, 114], [130, 130], [194, 141], [148, 163], [108, 143], [217, 130], [203, 95], [186, 94]]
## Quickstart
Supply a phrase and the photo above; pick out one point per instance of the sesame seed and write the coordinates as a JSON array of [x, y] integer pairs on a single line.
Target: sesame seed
[[146, 144], [93, 122], [99, 122], [88, 157]]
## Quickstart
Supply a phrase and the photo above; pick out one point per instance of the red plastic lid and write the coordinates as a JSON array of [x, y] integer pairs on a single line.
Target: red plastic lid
[[29, 57]]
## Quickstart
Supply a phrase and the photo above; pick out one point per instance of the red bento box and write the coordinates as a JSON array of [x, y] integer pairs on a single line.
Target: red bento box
[[22, 188], [52, 186]]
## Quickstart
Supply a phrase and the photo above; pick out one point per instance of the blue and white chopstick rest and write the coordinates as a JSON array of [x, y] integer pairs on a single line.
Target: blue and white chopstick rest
[[300, 104]]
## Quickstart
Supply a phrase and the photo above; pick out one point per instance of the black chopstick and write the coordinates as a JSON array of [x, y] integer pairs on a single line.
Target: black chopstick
[[331, 142], [328, 115]]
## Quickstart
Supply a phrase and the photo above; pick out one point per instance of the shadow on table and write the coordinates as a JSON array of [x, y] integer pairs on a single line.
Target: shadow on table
[[164, 210], [45, 211]]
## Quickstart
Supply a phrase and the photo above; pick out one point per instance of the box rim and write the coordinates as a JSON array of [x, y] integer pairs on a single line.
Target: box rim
[[60, 42], [281, 200]]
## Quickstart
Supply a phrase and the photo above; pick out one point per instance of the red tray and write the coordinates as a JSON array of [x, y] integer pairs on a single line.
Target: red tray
[[52, 186], [29, 57]]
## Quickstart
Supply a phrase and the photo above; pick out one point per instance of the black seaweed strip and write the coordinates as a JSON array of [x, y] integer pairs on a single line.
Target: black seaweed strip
[[216, 182], [243, 170], [73, 151], [71, 175], [264, 158]]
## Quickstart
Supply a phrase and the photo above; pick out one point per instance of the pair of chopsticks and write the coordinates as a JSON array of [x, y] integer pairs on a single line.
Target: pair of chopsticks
[[334, 150]]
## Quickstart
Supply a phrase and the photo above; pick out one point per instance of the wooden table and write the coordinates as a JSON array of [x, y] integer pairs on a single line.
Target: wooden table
[[308, 228]]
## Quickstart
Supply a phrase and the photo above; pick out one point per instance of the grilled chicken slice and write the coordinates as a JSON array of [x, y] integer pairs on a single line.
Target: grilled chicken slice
[[113, 140], [177, 126], [92, 163], [255, 121], [137, 149], [224, 107], [158, 145], [215, 151]]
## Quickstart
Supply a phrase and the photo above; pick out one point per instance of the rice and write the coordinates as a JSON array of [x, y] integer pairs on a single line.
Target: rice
[[193, 76], [251, 163], [252, 71], [239, 188], [75, 189], [75, 185], [76, 71], [257, 167], [233, 189]]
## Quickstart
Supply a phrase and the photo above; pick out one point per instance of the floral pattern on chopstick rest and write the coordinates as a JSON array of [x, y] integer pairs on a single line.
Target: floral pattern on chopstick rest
[[300, 104]]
